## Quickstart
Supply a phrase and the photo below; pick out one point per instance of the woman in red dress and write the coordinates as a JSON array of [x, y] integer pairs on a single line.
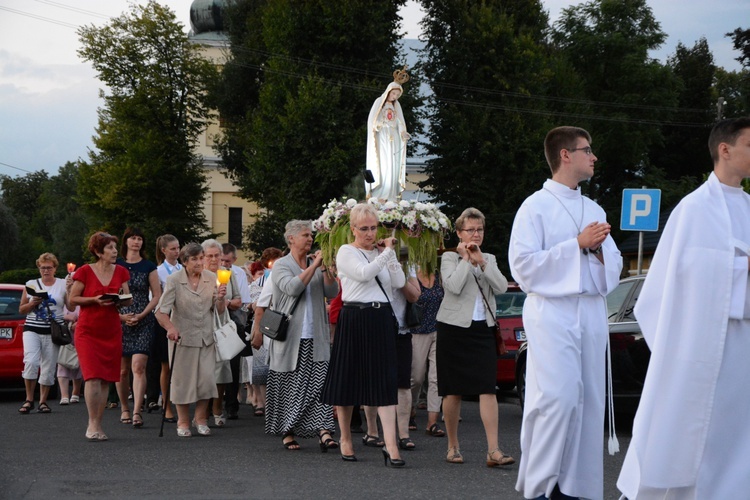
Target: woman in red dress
[[99, 331]]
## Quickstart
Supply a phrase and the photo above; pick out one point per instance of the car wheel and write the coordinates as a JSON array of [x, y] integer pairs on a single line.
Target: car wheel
[[521, 378]]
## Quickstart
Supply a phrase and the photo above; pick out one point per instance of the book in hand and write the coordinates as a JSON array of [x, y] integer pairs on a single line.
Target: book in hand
[[32, 291], [116, 297]]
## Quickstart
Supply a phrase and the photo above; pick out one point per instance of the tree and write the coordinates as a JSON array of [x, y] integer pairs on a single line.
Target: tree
[[62, 214], [632, 95], [488, 66], [741, 40], [8, 235], [145, 172], [684, 152], [21, 197], [295, 137]]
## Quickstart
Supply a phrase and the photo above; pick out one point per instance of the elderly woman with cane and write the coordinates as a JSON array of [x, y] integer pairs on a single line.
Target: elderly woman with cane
[[185, 311]]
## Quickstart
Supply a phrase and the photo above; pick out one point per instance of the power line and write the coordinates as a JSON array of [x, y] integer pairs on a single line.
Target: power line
[[17, 168], [40, 18], [74, 9]]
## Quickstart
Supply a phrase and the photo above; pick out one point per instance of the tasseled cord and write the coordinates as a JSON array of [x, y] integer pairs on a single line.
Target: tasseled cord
[[612, 444]]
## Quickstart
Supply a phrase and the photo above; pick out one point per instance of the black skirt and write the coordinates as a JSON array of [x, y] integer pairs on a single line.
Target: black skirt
[[404, 355], [362, 370], [466, 359]]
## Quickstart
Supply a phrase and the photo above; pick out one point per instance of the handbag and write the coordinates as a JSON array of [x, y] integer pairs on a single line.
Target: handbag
[[499, 342], [413, 314], [68, 357], [228, 343], [60, 331], [274, 324]]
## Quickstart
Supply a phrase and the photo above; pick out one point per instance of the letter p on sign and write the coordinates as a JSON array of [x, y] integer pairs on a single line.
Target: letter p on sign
[[640, 209]]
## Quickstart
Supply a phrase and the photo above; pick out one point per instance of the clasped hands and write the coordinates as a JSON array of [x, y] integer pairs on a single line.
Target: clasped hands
[[471, 252], [593, 235]]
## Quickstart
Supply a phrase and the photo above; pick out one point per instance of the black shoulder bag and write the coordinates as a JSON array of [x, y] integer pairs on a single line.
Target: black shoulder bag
[[60, 331], [274, 324]]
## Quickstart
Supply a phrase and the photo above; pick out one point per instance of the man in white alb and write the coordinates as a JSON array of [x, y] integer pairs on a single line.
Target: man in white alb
[[691, 435], [562, 256]]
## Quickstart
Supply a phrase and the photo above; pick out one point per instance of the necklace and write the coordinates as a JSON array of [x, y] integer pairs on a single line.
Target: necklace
[[578, 225]]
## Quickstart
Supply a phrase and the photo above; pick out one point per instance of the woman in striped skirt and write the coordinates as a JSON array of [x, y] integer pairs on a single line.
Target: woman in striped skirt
[[298, 364]]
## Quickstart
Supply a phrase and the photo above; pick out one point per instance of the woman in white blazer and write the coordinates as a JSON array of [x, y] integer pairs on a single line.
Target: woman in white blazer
[[466, 347]]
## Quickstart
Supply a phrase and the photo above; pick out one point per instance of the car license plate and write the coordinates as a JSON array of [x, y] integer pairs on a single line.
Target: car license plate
[[521, 335], [6, 333]]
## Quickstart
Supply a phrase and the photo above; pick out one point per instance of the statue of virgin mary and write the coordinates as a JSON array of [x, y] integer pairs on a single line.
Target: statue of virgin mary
[[386, 142]]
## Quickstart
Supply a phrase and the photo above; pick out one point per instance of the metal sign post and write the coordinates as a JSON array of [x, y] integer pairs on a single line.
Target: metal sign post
[[640, 212]]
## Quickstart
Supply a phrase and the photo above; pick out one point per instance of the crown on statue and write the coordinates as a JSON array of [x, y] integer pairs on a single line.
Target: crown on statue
[[400, 76]]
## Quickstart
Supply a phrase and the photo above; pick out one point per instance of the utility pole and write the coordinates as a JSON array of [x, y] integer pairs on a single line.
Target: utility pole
[[720, 103]]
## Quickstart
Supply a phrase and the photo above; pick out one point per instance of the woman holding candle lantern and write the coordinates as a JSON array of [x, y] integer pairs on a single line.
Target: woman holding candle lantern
[[212, 250], [185, 311], [137, 323]]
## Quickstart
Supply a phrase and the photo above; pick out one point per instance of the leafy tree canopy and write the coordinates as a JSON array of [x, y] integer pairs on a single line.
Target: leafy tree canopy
[[145, 172]]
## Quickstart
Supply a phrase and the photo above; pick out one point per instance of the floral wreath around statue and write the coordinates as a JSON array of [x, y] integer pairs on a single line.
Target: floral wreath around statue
[[421, 227]]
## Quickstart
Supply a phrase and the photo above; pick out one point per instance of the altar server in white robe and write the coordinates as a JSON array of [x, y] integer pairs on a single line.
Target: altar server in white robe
[[562, 256], [691, 435]]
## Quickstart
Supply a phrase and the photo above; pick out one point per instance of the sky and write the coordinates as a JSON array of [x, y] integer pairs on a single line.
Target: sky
[[49, 96]]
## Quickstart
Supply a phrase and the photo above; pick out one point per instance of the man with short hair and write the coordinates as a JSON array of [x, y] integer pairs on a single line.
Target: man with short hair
[[562, 256], [239, 315], [691, 435]]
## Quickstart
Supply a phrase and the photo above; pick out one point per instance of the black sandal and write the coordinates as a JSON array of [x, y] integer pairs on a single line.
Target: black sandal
[[373, 441], [406, 444], [328, 442], [290, 445], [26, 407], [44, 408], [137, 422]]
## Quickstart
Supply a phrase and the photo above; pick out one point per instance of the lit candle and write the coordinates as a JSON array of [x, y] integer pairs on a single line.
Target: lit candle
[[224, 275], [71, 267]]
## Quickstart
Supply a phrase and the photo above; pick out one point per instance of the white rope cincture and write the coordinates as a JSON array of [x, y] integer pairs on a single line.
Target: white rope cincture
[[613, 445]]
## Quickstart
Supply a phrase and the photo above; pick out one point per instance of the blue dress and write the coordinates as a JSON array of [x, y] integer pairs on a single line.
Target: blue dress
[[137, 339]]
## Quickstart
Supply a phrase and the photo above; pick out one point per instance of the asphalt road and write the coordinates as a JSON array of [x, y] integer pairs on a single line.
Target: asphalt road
[[46, 456]]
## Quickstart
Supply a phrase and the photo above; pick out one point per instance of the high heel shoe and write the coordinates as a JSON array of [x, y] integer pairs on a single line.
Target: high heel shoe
[[391, 462], [348, 458]]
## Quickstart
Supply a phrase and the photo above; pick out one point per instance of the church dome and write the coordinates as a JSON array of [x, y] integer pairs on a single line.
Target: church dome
[[206, 16]]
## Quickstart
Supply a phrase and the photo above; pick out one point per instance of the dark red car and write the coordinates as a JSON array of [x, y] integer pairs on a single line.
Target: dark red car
[[11, 336], [508, 313]]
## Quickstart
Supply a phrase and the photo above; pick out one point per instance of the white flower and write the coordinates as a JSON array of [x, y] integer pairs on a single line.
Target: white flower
[[404, 204], [389, 205], [409, 220], [421, 207], [373, 201], [351, 203]]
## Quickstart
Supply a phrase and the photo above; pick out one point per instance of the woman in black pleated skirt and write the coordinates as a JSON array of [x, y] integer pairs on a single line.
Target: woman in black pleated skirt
[[362, 370]]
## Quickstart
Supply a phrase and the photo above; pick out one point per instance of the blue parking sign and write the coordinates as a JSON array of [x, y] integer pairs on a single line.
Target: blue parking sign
[[640, 209]]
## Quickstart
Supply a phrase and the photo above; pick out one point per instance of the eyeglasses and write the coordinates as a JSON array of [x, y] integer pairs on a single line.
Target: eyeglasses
[[586, 150], [364, 229], [46, 268], [472, 232]]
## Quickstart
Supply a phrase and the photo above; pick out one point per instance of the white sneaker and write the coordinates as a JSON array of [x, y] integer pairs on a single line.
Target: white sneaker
[[64, 401]]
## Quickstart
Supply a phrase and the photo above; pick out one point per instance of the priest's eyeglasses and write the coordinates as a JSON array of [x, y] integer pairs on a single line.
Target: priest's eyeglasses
[[586, 150]]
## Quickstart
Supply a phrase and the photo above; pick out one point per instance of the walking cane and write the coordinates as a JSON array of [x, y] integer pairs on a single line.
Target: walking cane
[[166, 399]]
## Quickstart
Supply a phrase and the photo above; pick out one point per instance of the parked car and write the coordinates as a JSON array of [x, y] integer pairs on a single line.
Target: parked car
[[630, 353], [508, 312], [11, 336]]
